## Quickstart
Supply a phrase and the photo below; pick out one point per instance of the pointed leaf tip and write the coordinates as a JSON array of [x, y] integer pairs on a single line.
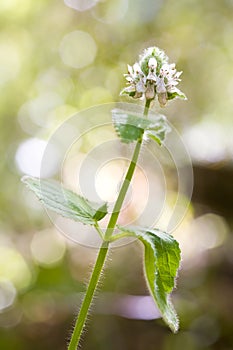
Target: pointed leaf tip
[[65, 202]]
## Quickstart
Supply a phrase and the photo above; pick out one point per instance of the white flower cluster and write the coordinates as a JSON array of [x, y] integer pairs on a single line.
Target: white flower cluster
[[152, 76]]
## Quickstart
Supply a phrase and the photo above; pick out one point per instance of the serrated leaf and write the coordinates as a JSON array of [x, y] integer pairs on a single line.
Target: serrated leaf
[[132, 128], [65, 202], [161, 262]]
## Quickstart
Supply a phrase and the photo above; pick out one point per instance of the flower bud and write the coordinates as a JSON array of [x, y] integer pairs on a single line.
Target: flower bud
[[150, 91], [162, 98]]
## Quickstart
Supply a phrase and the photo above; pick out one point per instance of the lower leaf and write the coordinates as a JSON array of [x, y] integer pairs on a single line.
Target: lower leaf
[[161, 263]]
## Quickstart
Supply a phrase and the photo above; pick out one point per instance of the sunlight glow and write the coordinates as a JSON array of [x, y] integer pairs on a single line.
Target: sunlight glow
[[48, 247], [14, 268], [7, 294], [107, 180], [206, 142], [29, 156]]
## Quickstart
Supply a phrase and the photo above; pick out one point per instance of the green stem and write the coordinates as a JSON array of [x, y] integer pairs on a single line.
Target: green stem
[[119, 236], [126, 183], [80, 322], [123, 191], [98, 229]]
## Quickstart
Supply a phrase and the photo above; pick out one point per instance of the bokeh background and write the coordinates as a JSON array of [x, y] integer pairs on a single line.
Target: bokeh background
[[57, 58]]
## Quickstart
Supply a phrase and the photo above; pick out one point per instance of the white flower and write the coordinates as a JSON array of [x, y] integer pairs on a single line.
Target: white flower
[[152, 76], [140, 86], [152, 63], [160, 86]]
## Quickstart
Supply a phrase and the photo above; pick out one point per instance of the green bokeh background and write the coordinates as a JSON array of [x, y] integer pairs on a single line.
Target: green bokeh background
[[39, 90]]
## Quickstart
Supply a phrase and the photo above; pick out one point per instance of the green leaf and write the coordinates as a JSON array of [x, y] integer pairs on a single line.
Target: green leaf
[[161, 260], [100, 212], [176, 94], [65, 202], [126, 91], [132, 128]]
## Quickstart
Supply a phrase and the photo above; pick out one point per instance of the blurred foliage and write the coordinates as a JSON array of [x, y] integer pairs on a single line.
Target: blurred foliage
[[45, 78]]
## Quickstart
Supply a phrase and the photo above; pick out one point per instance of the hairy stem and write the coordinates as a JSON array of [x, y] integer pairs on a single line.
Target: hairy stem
[[126, 183], [99, 265], [80, 322], [123, 191]]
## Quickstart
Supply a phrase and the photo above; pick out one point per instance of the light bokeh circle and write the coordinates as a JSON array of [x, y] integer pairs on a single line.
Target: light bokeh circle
[[110, 11], [92, 152], [80, 5], [78, 49]]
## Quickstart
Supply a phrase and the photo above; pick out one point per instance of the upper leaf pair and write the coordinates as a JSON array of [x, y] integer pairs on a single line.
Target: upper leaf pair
[[131, 127]]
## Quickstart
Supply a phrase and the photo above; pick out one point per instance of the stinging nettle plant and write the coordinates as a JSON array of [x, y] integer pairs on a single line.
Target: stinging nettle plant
[[150, 78]]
